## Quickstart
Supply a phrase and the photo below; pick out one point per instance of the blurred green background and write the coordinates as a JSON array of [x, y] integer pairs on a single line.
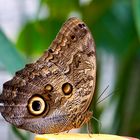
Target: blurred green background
[[115, 25]]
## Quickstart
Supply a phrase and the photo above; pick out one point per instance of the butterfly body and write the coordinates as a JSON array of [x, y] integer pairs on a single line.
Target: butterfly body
[[53, 94]]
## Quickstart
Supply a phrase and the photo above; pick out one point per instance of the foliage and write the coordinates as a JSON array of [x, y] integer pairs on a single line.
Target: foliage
[[115, 25], [9, 56]]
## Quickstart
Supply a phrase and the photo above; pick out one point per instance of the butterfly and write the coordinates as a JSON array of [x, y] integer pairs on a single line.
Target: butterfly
[[54, 93]]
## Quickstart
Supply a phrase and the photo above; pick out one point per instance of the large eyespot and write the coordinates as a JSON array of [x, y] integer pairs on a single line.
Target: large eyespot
[[37, 105], [67, 88]]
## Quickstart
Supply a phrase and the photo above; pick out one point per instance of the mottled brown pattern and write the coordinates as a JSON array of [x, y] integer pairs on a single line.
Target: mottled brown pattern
[[70, 59]]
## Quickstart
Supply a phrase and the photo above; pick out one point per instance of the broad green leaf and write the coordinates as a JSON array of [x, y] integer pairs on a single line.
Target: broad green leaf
[[9, 56], [60, 10], [36, 37], [112, 31], [128, 81]]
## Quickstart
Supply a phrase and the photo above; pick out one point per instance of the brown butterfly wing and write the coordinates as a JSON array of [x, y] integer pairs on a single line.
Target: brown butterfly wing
[[53, 94], [74, 50]]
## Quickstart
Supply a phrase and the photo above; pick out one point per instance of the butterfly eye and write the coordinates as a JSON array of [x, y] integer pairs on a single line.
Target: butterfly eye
[[67, 88], [37, 105], [48, 88]]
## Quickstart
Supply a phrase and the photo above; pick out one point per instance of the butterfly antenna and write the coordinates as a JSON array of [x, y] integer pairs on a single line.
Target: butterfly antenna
[[106, 96], [102, 93]]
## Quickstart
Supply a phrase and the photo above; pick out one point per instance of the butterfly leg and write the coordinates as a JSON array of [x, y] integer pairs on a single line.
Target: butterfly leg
[[89, 127]]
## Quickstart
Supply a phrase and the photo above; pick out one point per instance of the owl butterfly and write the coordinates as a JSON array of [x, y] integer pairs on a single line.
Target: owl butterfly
[[53, 94]]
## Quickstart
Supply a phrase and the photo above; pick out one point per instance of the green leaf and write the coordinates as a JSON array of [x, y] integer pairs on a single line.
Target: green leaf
[[60, 10], [115, 30], [37, 36], [18, 133], [136, 11], [126, 117], [9, 56]]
